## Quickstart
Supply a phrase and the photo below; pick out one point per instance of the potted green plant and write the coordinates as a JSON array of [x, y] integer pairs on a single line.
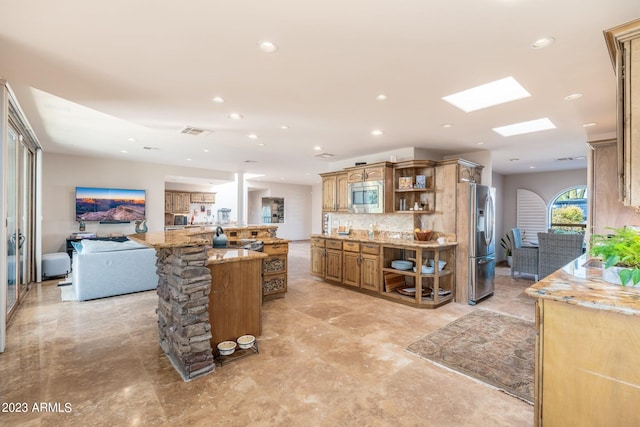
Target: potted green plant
[[507, 245], [620, 252]]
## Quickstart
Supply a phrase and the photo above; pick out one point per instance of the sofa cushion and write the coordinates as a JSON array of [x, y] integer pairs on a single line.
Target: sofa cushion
[[92, 246]]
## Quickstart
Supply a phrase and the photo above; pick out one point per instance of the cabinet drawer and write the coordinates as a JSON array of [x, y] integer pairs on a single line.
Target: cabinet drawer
[[351, 246], [274, 284], [276, 248], [334, 244], [274, 264], [368, 248], [317, 241]]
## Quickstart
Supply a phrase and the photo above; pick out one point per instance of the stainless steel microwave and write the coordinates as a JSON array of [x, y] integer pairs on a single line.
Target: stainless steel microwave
[[366, 197]]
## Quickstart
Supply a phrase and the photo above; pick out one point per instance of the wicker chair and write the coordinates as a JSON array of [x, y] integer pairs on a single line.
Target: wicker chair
[[557, 250], [525, 259]]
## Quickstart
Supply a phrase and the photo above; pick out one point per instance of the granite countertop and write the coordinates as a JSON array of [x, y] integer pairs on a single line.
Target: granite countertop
[[169, 239], [576, 284], [219, 256], [388, 241]]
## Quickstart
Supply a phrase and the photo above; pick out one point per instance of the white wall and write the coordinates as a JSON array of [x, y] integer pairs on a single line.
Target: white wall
[[546, 184], [63, 173]]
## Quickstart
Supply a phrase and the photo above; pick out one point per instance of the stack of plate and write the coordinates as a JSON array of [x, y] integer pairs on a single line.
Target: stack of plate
[[401, 264]]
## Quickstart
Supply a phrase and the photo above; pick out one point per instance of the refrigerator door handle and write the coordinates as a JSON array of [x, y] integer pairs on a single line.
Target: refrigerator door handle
[[488, 218]]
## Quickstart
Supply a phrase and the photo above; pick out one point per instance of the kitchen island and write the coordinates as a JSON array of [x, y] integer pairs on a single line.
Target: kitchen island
[[587, 347], [185, 268], [367, 264]]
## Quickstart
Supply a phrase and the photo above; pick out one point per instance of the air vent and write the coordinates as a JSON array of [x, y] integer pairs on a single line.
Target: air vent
[[190, 130], [564, 159], [150, 148], [250, 161], [324, 155]]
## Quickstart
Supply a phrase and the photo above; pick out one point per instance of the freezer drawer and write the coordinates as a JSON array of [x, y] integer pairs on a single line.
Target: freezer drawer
[[481, 280]]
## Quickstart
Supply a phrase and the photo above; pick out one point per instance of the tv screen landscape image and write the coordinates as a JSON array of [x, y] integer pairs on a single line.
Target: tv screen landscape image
[[109, 204]]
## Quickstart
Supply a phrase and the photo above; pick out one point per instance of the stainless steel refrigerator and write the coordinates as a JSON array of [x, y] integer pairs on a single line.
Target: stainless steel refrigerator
[[481, 242]]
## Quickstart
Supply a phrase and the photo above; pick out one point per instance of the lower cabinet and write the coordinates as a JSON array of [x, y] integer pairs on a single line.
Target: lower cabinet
[[274, 270], [363, 265], [586, 366]]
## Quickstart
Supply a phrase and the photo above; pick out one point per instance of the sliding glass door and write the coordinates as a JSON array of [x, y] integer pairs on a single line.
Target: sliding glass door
[[13, 237]]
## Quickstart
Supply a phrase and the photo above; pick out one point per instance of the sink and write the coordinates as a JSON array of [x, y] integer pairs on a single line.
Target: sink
[[593, 263]]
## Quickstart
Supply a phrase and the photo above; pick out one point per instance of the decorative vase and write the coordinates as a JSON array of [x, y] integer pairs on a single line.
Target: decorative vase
[[509, 260], [141, 226]]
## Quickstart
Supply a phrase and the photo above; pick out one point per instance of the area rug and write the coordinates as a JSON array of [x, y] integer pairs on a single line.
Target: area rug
[[490, 347]]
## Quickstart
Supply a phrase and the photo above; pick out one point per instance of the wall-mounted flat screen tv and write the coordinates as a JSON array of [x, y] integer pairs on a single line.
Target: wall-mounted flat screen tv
[[109, 204]]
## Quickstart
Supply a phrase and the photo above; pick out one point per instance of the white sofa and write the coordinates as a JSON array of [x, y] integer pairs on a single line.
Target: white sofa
[[105, 268]]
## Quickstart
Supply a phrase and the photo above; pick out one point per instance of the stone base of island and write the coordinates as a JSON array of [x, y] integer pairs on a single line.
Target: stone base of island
[[188, 302]]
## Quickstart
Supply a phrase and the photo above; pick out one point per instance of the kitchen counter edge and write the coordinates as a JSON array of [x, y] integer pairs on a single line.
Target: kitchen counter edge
[[386, 241]]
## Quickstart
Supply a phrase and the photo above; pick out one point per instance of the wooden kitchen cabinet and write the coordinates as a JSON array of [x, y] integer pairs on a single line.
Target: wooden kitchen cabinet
[[351, 262], [197, 197], [333, 260], [373, 172], [370, 267], [586, 366], [413, 183], [623, 43], [274, 270], [334, 192], [318, 257], [177, 202]]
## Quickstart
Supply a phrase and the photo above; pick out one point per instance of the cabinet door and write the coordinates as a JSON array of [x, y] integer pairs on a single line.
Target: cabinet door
[[168, 202], [342, 193], [196, 197], [317, 261], [334, 265], [186, 202], [329, 193], [370, 278], [209, 198], [355, 175], [374, 174], [351, 268]]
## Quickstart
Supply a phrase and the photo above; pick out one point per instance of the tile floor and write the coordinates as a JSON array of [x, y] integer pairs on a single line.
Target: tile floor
[[328, 357]]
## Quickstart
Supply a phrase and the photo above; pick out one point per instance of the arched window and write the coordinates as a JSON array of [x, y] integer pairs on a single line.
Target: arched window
[[568, 210]]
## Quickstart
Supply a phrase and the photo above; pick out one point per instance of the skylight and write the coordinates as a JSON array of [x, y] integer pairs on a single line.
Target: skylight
[[525, 127], [488, 95]]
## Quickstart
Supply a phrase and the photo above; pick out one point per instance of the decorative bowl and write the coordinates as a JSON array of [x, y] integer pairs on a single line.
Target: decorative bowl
[[400, 264], [246, 341], [441, 264], [226, 347], [423, 236]]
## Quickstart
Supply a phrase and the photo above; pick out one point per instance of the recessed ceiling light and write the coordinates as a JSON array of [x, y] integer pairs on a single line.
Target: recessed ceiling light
[[381, 97], [573, 96], [218, 100], [588, 125], [317, 148], [284, 127], [376, 132], [488, 95], [253, 136], [261, 144], [235, 116], [525, 127], [532, 167], [188, 159], [480, 143], [124, 151], [205, 150], [542, 43], [447, 125], [267, 46], [580, 158], [131, 140], [282, 178]]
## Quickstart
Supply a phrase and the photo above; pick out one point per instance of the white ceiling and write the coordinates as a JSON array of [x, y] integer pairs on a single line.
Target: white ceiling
[[91, 75]]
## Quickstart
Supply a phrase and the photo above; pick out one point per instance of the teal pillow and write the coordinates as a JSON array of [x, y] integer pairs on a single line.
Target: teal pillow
[[77, 246]]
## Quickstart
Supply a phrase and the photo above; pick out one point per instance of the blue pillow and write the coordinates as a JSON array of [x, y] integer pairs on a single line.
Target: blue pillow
[[77, 246]]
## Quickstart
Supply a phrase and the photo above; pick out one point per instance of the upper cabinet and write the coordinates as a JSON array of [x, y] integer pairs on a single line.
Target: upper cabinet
[[373, 172], [624, 47], [334, 192], [414, 182]]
